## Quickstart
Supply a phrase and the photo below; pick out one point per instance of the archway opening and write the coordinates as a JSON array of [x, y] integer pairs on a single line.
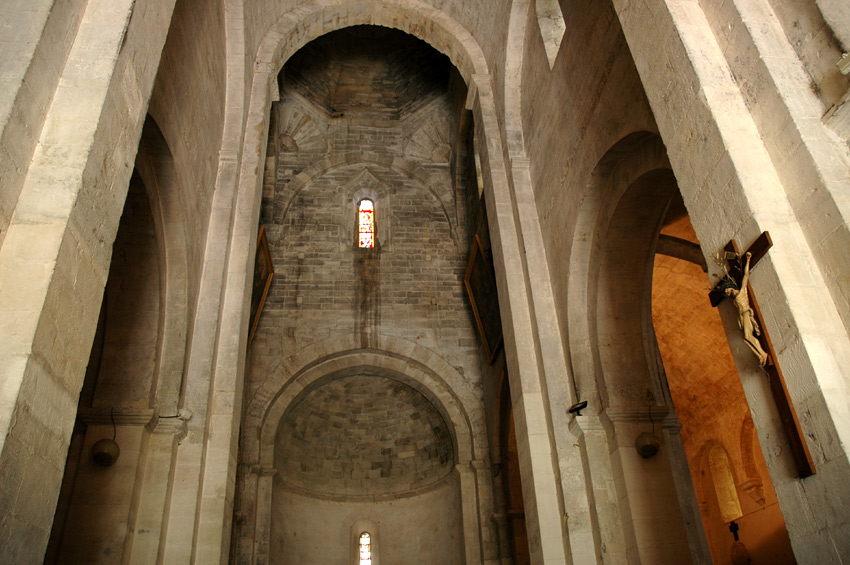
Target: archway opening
[[365, 447], [94, 512], [726, 462], [365, 114], [133, 375], [660, 363]]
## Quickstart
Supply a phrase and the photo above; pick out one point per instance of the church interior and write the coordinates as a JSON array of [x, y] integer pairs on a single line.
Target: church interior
[[425, 281]]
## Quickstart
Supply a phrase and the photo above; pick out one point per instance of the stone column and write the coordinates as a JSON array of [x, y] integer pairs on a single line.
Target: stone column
[[262, 524], [649, 504], [55, 257], [201, 510], [594, 432], [732, 190], [688, 503], [147, 525], [470, 510], [500, 523], [543, 499]]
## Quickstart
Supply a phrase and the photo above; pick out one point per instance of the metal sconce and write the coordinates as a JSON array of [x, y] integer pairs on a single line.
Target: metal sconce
[[105, 452], [647, 443], [577, 407]]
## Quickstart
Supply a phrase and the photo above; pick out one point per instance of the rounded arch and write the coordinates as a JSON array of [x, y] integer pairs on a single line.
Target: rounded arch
[[709, 451], [626, 350], [406, 370], [155, 166], [414, 365], [358, 529], [615, 357], [305, 23], [308, 440], [420, 368], [632, 157]]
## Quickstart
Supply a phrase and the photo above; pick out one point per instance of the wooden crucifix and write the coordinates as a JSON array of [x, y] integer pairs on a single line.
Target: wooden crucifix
[[731, 286]]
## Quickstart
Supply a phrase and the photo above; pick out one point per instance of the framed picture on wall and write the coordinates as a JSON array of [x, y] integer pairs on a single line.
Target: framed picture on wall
[[263, 274], [480, 282]]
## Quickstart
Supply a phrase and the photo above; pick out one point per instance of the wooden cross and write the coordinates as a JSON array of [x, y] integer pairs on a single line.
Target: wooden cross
[[796, 439]]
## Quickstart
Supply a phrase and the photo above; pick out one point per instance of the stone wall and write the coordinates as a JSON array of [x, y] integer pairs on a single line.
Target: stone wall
[[418, 530], [34, 55], [410, 285], [746, 103], [363, 437], [354, 122], [188, 105]]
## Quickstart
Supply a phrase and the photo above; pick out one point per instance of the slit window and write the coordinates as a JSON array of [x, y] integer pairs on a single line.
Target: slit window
[[366, 225], [365, 549]]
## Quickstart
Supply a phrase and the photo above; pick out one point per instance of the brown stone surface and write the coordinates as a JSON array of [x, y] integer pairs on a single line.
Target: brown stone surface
[[712, 408], [358, 437], [585, 115]]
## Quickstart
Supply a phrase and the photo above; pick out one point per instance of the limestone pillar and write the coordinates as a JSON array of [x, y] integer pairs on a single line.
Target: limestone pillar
[[688, 504], [55, 256], [470, 510], [595, 433], [200, 515], [262, 524], [732, 190], [542, 496], [149, 512]]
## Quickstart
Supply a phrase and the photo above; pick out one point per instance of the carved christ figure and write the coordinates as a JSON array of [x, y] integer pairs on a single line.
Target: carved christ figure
[[746, 318]]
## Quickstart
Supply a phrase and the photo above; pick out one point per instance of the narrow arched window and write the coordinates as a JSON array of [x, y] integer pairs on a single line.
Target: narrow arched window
[[365, 549], [724, 484], [552, 27], [366, 224]]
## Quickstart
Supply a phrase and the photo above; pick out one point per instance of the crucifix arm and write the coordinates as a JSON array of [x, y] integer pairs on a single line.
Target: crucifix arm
[[746, 279]]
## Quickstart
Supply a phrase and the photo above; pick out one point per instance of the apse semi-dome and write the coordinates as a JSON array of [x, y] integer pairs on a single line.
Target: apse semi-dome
[[363, 436]]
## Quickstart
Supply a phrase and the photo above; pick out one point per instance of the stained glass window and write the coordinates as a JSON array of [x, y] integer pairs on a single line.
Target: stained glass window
[[366, 224], [365, 549]]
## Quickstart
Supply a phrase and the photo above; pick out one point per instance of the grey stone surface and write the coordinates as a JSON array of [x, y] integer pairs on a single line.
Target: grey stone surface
[[583, 114]]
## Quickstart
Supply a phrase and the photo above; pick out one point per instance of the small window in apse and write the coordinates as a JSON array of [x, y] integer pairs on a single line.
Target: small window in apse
[[366, 224], [365, 549]]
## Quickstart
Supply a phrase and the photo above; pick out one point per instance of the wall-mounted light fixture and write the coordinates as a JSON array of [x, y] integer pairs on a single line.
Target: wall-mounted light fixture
[[647, 443], [577, 407], [105, 452]]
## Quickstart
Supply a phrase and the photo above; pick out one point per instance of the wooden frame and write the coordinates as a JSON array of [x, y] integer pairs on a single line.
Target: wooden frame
[[263, 274], [480, 283], [776, 379]]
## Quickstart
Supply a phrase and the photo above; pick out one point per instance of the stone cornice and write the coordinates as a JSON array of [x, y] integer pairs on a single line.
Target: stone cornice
[[98, 416]]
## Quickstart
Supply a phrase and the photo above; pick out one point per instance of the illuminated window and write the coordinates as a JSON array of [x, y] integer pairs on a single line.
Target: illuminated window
[[366, 224], [552, 27], [365, 549]]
